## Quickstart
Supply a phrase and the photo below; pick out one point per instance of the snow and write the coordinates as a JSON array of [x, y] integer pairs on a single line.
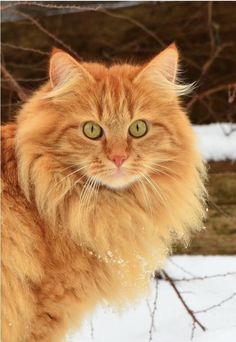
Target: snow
[[217, 141], [172, 323]]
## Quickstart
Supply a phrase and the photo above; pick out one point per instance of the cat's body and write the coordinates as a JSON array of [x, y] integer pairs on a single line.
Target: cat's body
[[70, 241]]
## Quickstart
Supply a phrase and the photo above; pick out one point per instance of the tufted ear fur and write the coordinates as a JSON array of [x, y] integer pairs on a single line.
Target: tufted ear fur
[[165, 63], [163, 70]]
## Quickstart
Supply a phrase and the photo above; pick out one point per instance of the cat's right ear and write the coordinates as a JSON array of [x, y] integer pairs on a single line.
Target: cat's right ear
[[63, 69]]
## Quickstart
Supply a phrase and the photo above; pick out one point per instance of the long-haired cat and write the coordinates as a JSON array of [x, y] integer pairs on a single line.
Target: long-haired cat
[[100, 174]]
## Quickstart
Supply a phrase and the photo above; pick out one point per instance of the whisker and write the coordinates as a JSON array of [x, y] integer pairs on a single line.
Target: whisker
[[146, 197], [164, 167], [157, 190], [83, 192], [78, 180], [95, 198], [90, 192], [153, 185], [156, 170], [61, 180], [164, 200], [83, 195], [172, 160]]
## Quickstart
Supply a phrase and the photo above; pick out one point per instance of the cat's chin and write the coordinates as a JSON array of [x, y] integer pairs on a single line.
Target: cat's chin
[[116, 182]]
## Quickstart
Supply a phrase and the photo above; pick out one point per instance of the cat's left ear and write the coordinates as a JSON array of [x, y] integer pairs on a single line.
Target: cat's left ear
[[164, 64]]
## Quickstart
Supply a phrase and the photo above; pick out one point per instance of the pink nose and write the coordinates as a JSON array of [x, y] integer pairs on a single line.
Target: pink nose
[[118, 159]]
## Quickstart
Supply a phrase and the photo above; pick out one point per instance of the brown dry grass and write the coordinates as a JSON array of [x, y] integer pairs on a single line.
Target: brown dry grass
[[219, 237]]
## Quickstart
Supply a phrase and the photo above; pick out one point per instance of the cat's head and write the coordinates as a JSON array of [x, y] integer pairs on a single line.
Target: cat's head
[[113, 125], [96, 143]]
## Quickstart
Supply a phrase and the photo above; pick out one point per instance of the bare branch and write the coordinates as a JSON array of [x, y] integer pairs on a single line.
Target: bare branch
[[87, 8], [48, 33], [210, 25], [43, 5], [135, 22], [193, 330], [12, 46], [217, 305], [91, 329], [221, 87], [204, 277], [217, 207], [213, 56], [14, 84], [154, 309], [31, 79], [181, 268], [190, 311]]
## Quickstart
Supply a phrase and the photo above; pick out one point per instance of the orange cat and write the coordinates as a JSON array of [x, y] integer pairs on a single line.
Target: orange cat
[[100, 174]]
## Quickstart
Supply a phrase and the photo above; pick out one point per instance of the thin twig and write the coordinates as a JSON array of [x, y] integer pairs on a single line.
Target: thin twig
[[153, 312], [219, 209], [49, 6], [204, 277], [216, 305], [180, 267], [48, 33], [149, 307], [14, 84], [91, 329], [190, 311], [39, 79], [193, 330], [93, 9], [210, 26], [213, 57], [209, 92], [12, 46], [135, 23]]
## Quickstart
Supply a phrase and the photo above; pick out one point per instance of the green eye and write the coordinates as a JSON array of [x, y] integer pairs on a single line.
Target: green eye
[[138, 129], [92, 130]]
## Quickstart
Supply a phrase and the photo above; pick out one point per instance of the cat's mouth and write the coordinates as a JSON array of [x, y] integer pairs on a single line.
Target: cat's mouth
[[118, 178]]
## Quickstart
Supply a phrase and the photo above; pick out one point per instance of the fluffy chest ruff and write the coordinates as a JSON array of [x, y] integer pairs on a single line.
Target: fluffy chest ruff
[[118, 238]]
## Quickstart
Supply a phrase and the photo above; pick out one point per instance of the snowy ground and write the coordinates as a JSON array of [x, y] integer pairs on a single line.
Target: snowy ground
[[172, 323], [217, 141]]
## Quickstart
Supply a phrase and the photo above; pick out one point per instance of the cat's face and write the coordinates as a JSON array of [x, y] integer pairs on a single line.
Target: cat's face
[[114, 126], [118, 135], [116, 151]]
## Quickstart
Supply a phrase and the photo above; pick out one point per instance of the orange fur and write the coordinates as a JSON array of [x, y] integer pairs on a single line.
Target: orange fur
[[75, 232]]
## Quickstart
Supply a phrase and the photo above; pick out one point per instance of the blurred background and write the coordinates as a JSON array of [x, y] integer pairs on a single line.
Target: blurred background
[[134, 31]]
